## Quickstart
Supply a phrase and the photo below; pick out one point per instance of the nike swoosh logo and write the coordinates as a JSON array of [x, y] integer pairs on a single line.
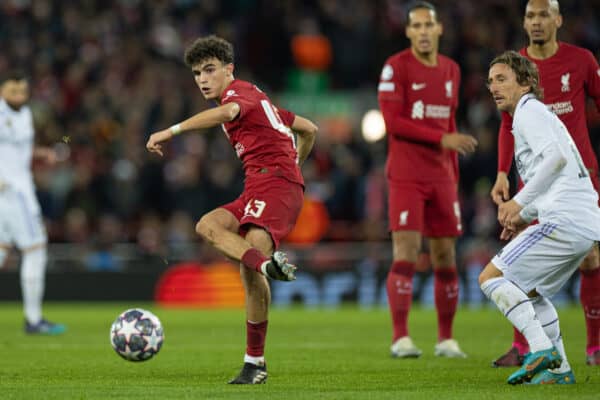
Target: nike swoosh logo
[[533, 365], [418, 86]]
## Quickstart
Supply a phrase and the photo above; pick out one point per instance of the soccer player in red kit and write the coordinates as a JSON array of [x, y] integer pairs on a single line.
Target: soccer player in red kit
[[567, 73], [418, 97], [249, 229]]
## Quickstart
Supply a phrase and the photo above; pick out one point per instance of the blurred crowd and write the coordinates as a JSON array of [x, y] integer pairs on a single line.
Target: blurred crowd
[[106, 74]]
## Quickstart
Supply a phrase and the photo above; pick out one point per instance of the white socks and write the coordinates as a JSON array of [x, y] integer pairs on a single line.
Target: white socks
[[260, 361], [517, 307], [549, 319], [33, 269]]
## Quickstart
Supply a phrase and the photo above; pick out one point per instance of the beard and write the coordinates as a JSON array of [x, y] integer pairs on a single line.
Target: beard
[[14, 106], [539, 42]]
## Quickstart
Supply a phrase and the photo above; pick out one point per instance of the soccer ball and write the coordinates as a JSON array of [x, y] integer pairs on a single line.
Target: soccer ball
[[136, 335]]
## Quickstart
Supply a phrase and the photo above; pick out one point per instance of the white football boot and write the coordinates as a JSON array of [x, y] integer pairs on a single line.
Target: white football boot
[[405, 348]]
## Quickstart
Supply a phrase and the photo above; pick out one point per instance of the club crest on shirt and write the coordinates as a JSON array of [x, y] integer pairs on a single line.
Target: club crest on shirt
[[229, 94], [387, 72], [564, 81], [239, 149], [418, 110], [448, 89]]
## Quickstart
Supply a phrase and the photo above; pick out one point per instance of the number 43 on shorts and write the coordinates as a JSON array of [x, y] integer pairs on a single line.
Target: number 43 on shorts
[[255, 208]]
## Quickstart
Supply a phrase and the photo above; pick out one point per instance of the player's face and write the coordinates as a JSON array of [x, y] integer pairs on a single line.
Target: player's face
[[212, 77], [503, 85], [424, 31], [541, 21], [15, 93]]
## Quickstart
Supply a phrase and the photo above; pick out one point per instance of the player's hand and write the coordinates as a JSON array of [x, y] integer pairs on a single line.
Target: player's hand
[[508, 215], [513, 229], [507, 234], [463, 144], [45, 154], [500, 192], [153, 145]]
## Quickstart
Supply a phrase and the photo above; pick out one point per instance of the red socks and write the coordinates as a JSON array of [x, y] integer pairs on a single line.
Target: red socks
[[253, 259], [399, 292], [256, 334], [446, 299], [590, 300], [519, 342]]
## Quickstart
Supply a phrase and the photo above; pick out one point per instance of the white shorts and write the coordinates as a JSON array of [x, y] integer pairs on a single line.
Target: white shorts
[[21, 221], [543, 257]]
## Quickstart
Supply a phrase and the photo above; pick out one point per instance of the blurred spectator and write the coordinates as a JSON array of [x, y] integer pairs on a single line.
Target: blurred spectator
[[107, 73]]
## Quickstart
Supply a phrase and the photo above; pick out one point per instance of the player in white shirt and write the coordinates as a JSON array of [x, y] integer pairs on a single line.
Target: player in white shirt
[[558, 191], [21, 222]]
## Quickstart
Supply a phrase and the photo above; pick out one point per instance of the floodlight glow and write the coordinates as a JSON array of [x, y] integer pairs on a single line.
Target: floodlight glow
[[373, 126]]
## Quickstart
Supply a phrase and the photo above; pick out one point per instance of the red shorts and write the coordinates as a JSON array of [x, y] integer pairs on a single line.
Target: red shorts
[[272, 203], [430, 208]]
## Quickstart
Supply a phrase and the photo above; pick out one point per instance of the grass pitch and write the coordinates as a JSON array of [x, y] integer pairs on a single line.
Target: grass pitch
[[311, 354]]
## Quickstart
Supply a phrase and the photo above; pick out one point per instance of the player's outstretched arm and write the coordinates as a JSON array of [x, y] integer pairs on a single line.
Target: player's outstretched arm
[[307, 133], [203, 120]]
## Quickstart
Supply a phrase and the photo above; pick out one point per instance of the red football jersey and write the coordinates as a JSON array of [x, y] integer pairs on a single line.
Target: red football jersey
[[261, 134], [419, 104], [566, 78]]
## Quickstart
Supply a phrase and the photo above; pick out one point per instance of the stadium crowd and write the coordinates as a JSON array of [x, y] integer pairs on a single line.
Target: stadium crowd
[[105, 74]]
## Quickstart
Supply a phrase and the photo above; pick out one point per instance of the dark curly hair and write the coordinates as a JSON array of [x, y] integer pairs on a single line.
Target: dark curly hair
[[208, 47], [525, 70]]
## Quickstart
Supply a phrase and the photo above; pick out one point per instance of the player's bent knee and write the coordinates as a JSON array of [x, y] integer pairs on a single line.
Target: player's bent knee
[[490, 271], [207, 228], [443, 253]]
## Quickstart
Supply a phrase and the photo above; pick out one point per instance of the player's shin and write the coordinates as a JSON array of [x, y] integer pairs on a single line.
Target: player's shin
[[399, 293], [256, 333], [517, 307], [590, 300], [548, 317], [33, 268], [446, 300]]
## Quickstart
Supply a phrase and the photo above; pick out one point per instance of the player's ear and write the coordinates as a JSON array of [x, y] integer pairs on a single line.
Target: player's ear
[[229, 69], [559, 21], [440, 28]]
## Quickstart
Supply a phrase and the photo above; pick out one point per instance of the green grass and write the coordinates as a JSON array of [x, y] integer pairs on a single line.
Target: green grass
[[322, 354]]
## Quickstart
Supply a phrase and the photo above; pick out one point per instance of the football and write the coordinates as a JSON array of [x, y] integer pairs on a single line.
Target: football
[[137, 335]]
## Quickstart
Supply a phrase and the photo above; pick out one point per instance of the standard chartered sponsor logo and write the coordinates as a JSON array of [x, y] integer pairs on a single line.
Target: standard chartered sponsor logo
[[433, 111], [420, 111], [562, 107]]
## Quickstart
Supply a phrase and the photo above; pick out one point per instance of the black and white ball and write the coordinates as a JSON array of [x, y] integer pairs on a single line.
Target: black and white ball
[[137, 335]]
